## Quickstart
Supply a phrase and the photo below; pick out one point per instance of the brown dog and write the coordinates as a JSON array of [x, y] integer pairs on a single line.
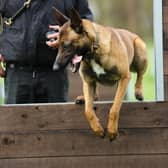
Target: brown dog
[[109, 56]]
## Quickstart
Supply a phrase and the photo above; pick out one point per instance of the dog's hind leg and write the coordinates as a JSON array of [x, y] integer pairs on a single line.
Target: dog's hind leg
[[112, 127], [138, 87], [140, 65], [88, 89]]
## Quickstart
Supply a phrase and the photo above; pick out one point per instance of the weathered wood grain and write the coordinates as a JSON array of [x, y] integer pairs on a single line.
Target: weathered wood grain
[[165, 14], [166, 87], [165, 62], [83, 143], [138, 161], [165, 2], [70, 116], [165, 44], [165, 37]]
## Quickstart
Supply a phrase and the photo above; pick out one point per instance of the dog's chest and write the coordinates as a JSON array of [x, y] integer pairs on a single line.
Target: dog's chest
[[101, 75], [97, 68]]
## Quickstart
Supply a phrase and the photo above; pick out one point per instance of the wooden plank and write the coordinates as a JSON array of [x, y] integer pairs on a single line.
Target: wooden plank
[[165, 3], [138, 161], [166, 86], [165, 14], [165, 43], [83, 143], [165, 62], [165, 37], [28, 118]]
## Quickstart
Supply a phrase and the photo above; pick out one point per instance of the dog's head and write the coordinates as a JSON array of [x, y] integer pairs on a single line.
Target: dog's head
[[73, 40]]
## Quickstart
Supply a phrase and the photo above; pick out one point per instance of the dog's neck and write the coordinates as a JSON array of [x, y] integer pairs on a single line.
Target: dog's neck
[[94, 45]]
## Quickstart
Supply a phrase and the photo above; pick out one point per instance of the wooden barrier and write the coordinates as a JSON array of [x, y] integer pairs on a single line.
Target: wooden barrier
[[57, 135]]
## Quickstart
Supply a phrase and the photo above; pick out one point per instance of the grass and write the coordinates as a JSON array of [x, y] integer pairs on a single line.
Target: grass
[[1, 91]]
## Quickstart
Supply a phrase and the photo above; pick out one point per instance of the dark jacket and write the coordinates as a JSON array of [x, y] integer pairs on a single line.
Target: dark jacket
[[24, 41]]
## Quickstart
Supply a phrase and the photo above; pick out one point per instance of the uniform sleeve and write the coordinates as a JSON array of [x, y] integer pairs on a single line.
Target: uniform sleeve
[[83, 8], [2, 7]]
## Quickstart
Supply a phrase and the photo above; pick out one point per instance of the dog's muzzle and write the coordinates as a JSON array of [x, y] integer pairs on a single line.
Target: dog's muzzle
[[56, 67], [75, 64]]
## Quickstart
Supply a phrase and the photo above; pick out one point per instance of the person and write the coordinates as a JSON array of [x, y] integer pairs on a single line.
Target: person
[[28, 73]]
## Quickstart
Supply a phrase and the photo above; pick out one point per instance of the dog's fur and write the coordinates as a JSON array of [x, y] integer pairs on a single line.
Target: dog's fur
[[109, 56]]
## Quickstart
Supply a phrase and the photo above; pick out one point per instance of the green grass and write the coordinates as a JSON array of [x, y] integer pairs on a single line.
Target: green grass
[[1, 88]]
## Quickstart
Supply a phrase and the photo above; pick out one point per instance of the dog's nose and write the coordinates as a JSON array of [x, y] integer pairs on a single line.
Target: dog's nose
[[56, 67]]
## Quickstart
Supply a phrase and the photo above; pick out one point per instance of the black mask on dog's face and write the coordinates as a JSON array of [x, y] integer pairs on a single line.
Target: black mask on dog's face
[[69, 47], [65, 54], [68, 51]]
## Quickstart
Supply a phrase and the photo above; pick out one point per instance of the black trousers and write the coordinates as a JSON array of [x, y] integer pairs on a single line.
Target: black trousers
[[24, 84]]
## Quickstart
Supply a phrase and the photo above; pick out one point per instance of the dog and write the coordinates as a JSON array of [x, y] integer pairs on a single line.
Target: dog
[[105, 55]]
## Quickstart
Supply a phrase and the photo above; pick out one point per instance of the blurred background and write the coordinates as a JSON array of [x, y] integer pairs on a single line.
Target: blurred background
[[134, 15]]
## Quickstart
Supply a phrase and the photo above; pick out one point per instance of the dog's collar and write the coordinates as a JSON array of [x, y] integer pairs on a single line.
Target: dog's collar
[[94, 46]]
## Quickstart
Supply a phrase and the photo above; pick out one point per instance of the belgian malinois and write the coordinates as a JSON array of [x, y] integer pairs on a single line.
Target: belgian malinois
[[109, 55]]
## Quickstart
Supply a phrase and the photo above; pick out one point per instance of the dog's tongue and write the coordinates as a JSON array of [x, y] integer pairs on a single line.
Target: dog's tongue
[[76, 59], [76, 63]]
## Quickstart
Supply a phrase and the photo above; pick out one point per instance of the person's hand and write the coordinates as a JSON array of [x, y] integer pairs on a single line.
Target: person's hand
[[54, 36], [2, 71]]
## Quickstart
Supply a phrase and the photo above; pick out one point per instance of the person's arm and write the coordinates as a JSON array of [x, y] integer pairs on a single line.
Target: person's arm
[[1, 13], [83, 8], [2, 7], [0, 23]]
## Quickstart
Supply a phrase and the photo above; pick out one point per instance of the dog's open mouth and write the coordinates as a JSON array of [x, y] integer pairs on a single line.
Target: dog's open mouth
[[75, 63]]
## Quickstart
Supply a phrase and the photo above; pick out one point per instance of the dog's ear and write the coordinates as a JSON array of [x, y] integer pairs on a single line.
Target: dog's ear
[[60, 17], [76, 21]]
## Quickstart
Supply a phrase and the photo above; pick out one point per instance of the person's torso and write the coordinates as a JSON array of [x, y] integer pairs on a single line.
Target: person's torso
[[27, 34]]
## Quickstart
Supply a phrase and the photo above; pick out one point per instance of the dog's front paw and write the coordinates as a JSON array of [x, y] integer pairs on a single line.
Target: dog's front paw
[[97, 128], [112, 130], [99, 131], [95, 124], [112, 136]]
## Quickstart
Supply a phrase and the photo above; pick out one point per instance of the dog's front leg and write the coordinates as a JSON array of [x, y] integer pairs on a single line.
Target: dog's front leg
[[114, 111], [88, 89]]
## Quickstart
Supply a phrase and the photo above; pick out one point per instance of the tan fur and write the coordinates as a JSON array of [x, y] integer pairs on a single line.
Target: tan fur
[[119, 48], [119, 52]]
